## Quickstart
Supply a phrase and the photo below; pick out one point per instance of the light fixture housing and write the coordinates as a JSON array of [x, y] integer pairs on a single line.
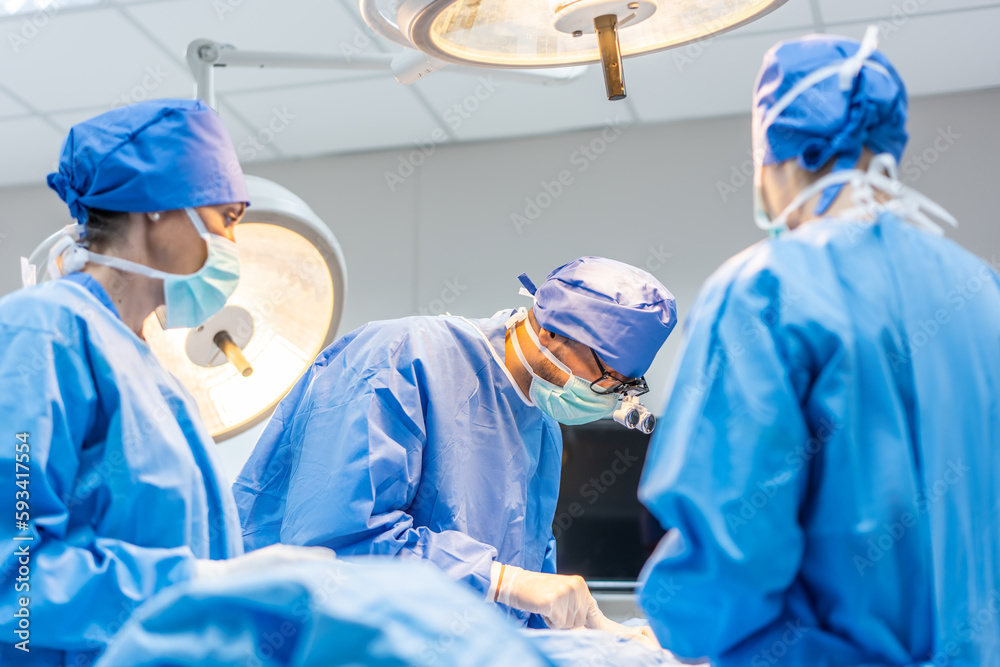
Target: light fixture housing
[[537, 34], [285, 311], [521, 34]]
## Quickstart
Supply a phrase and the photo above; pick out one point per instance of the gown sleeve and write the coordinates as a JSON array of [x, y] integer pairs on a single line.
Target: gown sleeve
[[549, 563], [358, 446], [81, 586]]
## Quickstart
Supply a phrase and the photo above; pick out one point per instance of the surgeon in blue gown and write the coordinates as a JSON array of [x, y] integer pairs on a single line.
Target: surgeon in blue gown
[[827, 464], [436, 437], [105, 458]]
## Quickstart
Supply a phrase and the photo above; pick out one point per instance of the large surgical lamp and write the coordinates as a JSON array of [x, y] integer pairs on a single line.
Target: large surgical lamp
[[286, 309], [555, 33]]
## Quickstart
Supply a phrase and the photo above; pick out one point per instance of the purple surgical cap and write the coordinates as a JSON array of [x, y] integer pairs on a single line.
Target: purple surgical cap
[[621, 312], [152, 156]]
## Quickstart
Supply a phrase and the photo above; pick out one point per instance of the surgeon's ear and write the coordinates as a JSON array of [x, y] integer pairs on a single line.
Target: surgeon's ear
[[545, 336]]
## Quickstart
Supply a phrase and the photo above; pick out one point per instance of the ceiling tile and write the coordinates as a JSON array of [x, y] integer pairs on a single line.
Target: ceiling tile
[[965, 52], [847, 11], [89, 59], [711, 78], [31, 151], [310, 26], [333, 118], [484, 105]]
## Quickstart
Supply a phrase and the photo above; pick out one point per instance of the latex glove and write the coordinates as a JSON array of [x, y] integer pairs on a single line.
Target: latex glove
[[643, 633], [261, 559], [563, 601]]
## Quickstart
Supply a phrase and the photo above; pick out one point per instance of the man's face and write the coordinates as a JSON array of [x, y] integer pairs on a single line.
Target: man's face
[[578, 357]]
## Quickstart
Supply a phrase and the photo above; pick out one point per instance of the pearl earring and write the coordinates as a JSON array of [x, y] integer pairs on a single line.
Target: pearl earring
[[155, 216]]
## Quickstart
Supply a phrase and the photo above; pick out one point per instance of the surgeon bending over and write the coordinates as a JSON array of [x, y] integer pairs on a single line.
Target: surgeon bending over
[[829, 465], [437, 437]]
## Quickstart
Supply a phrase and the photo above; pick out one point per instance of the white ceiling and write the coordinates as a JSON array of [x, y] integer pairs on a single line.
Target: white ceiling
[[60, 68]]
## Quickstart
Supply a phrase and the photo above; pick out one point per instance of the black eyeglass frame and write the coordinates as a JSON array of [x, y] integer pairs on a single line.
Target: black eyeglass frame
[[631, 388]]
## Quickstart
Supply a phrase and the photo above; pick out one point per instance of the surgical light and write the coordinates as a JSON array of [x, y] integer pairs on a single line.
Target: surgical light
[[286, 309], [555, 33]]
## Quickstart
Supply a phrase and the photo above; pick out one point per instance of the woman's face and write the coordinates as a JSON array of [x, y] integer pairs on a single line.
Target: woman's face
[[174, 243]]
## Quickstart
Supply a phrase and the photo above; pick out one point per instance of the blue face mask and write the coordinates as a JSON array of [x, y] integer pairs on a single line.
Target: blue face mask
[[189, 299], [572, 404]]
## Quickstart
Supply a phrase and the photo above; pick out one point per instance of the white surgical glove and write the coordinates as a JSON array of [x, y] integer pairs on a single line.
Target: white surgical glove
[[643, 634], [262, 559], [563, 601]]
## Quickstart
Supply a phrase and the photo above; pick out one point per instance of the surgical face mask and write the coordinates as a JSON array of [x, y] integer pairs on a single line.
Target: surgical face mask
[[189, 299], [573, 403], [760, 215]]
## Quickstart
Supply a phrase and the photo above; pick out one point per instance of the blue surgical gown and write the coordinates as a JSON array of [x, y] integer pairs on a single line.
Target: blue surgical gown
[[371, 611], [829, 455], [122, 493], [376, 612], [407, 437]]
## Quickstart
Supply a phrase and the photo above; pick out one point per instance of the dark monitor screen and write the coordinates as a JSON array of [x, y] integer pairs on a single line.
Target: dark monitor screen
[[602, 531]]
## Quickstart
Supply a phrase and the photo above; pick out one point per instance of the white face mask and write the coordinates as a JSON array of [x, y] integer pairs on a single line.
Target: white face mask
[[760, 215]]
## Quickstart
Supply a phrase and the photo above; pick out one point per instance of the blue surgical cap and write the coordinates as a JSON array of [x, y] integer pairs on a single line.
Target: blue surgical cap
[[621, 312], [834, 118], [151, 156]]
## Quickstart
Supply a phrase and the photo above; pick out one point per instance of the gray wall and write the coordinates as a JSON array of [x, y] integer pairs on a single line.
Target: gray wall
[[674, 199]]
